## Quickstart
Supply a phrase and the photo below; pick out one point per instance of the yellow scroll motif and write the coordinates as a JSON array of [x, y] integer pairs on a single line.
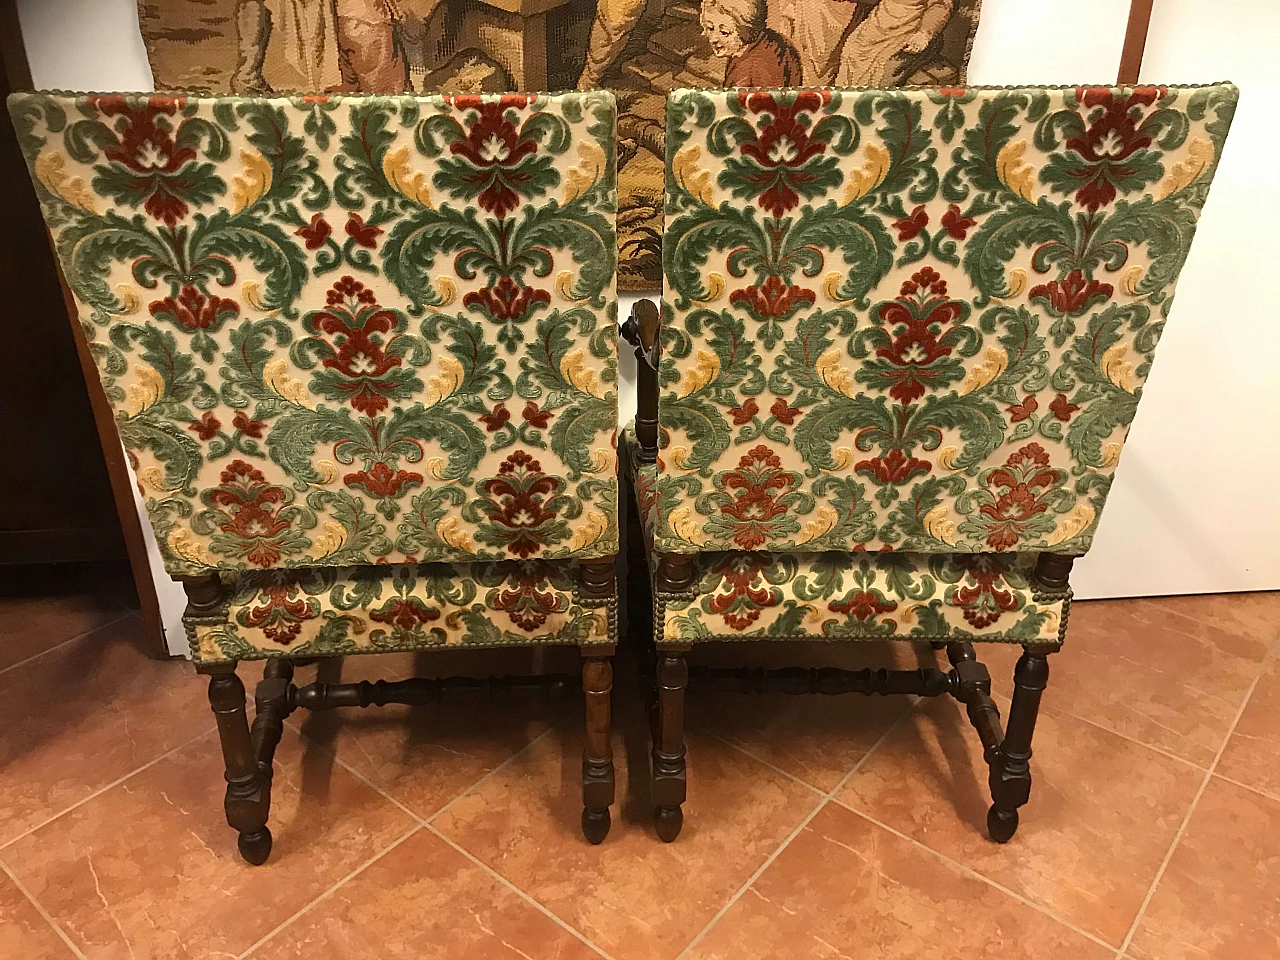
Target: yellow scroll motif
[[872, 173], [411, 183], [573, 367], [592, 529], [328, 470], [444, 383], [50, 170], [831, 287], [275, 376], [1118, 369], [835, 376], [993, 364], [1130, 279], [705, 369], [332, 539], [1018, 176], [695, 180], [1072, 525], [188, 548], [248, 187], [819, 525], [939, 526], [1182, 175], [147, 388], [715, 288], [578, 180], [449, 529], [686, 526]]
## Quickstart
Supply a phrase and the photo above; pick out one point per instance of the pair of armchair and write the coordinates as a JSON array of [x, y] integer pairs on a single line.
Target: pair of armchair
[[362, 354]]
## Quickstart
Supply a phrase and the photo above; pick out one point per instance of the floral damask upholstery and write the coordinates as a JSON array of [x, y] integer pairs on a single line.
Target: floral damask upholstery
[[340, 331], [916, 320], [846, 595], [323, 611], [904, 336]]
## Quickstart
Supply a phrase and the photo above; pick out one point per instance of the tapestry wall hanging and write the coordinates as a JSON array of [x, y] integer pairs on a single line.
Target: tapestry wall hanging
[[640, 48]]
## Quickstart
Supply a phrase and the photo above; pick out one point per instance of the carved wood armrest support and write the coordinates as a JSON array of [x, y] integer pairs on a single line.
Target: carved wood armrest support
[[641, 331]]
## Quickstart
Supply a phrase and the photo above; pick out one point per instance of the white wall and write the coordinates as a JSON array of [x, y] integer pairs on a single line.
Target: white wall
[[1196, 503]]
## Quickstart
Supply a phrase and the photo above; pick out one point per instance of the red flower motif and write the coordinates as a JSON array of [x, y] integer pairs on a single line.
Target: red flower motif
[[206, 428], [250, 428], [154, 164], [918, 317], [773, 299], [495, 421], [192, 310], [863, 605], [539, 418], [744, 413], [1073, 295], [1111, 138], [1062, 409], [354, 323], [362, 233], [761, 483], [909, 227], [784, 414], [1023, 479], [496, 148], [381, 481], [894, 467], [404, 613], [983, 601], [280, 616], [317, 233], [956, 225], [523, 500], [1020, 411], [782, 150], [507, 300], [527, 605], [246, 504], [741, 605]]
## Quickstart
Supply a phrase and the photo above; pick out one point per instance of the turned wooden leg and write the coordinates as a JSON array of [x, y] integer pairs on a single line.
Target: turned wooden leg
[[668, 747], [597, 755], [1010, 777], [248, 789]]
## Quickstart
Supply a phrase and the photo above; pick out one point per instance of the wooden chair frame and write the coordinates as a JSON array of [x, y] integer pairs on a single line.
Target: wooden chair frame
[[1006, 747]]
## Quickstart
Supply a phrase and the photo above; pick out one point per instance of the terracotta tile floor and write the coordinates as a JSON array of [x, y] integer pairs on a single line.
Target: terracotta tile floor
[[815, 827]]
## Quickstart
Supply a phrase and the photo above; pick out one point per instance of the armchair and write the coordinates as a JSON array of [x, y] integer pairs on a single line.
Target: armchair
[[904, 337], [361, 354]]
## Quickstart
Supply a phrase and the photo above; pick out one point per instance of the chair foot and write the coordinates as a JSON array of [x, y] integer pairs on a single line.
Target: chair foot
[[255, 847], [668, 821], [595, 824], [1002, 824], [597, 753]]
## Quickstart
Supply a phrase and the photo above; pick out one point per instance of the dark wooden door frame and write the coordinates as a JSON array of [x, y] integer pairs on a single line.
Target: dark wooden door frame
[[18, 74], [1135, 41]]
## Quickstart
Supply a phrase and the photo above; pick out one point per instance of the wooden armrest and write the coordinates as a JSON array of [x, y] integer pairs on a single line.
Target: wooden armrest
[[641, 331]]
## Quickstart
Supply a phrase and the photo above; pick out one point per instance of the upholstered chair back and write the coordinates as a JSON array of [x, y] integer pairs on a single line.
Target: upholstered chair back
[[916, 320], [339, 330]]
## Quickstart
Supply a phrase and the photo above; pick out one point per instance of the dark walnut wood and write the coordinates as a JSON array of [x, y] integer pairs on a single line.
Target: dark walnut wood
[[641, 331], [248, 799], [1010, 776], [598, 581], [1053, 572], [597, 754], [668, 746], [676, 573], [205, 595]]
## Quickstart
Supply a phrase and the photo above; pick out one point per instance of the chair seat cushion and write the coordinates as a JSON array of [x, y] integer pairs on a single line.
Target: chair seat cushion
[[325, 611], [851, 595]]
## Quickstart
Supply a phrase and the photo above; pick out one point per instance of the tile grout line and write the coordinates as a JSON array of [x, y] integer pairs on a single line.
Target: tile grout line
[[431, 828], [332, 890], [502, 766], [970, 871], [825, 799], [1266, 794], [70, 640], [1195, 801], [955, 863], [763, 762], [101, 790], [517, 891], [4, 867]]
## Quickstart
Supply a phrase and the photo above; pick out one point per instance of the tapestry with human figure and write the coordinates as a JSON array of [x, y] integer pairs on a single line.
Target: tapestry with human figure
[[642, 49]]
